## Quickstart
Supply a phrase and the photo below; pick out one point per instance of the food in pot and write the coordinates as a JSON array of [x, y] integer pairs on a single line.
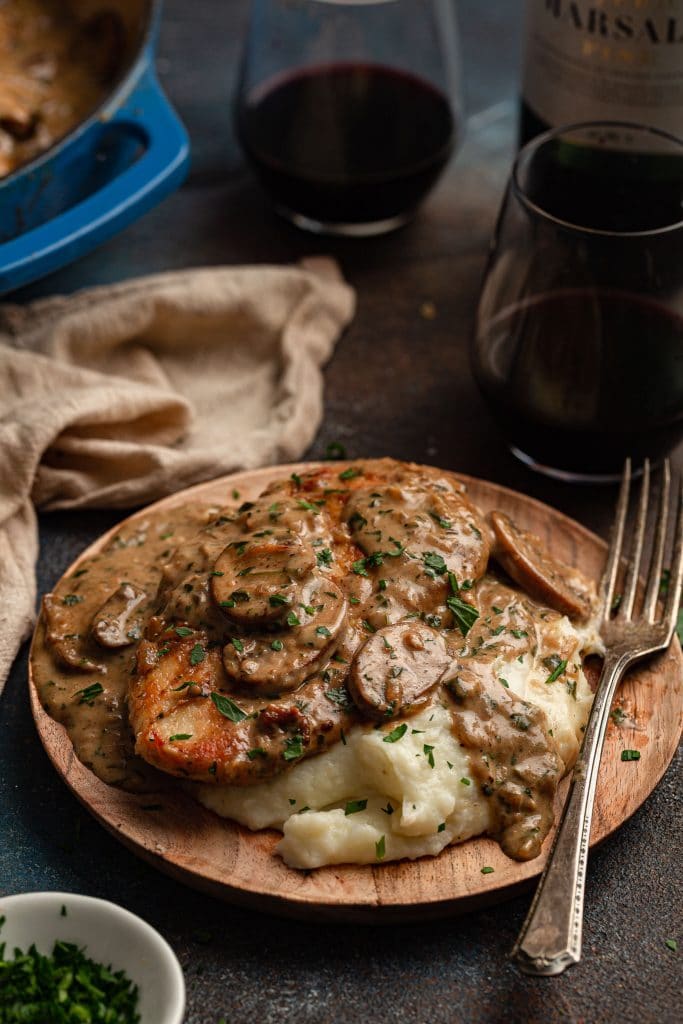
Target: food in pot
[[57, 64], [343, 658]]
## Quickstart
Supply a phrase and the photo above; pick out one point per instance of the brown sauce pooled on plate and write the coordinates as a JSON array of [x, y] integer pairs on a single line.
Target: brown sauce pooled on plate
[[233, 643]]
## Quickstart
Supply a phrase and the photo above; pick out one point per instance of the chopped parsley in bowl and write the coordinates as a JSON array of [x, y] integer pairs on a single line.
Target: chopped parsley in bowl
[[66, 957]]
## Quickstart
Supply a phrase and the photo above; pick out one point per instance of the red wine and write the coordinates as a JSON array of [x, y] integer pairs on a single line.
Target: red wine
[[347, 143], [580, 378]]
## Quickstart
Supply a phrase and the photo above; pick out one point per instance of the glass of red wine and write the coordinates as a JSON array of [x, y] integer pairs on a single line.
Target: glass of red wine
[[348, 110], [579, 340]]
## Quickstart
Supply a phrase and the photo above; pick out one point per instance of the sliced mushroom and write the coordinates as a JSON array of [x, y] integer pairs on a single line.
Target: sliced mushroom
[[524, 558], [273, 663], [260, 580], [61, 636], [397, 668], [114, 625]]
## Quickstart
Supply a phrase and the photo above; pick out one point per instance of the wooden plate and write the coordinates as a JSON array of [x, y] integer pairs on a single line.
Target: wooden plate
[[198, 848]]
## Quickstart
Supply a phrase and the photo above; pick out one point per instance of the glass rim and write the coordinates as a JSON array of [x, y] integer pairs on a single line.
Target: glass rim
[[538, 141]]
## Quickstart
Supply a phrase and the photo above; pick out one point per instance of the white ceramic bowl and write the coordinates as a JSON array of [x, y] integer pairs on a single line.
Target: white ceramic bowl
[[110, 934]]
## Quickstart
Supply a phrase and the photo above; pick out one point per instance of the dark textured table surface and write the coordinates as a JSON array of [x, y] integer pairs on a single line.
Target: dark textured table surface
[[399, 384]]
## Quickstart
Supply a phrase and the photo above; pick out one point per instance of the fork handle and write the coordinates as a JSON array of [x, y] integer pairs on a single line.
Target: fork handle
[[550, 939]]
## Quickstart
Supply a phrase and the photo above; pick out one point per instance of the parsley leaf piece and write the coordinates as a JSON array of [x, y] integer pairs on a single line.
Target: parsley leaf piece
[[350, 473], [557, 671], [180, 736], [197, 654], [228, 708], [429, 752], [630, 755], [340, 696], [293, 747], [434, 564], [359, 567], [237, 644], [324, 557], [380, 848], [354, 806], [277, 645], [278, 600], [487, 871], [465, 614], [323, 631], [183, 631], [293, 619], [335, 450], [396, 734], [88, 693], [70, 599], [256, 752]]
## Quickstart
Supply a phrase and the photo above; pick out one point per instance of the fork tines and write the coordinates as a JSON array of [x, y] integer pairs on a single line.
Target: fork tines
[[636, 562]]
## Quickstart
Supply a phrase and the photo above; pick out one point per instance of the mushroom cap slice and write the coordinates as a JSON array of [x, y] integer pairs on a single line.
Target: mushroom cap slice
[[62, 636], [525, 559], [267, 664], [258, 581], [397, 668], [112, 626]]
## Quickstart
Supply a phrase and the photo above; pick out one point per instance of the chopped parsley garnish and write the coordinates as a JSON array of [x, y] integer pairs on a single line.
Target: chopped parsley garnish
[[277, 645], [349, 474], [556, 664], [434, 564], [185, 685], [64, 986], [618, 716], [388, 809], [309, 506], [323, 631], [465, 781], [216, 572], [496, 609], [367, 626], [429, 753], [70, 599], [340, 696], [256, 752], [396, 734], [359, 567], [354, 806], [504, 683], [487, 871], [237, 644], [293, 747], [197, 654], [228, 708], [335, 450], [465, 614], [630, 755], [357, 521], [442, 827], [183, 631], [445, 524], [180, 736], [324, 557], [380, 848], [88, 693], [278, 600], [296, 478], [293, 619], [671, 944], [519, 634]]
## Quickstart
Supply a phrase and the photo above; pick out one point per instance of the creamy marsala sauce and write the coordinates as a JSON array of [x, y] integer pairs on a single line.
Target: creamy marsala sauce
[[224, 646], [54, 69]]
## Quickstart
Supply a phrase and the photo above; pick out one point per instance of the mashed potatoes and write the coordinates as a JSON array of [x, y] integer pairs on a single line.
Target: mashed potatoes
[[404, 789]]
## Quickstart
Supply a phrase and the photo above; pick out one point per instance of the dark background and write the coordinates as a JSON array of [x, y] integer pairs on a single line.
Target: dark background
[[399, 384]]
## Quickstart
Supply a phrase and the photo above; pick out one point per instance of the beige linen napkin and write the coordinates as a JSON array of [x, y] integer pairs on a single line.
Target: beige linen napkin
[[118, 395]]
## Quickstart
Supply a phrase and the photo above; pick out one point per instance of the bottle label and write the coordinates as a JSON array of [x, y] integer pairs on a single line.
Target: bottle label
[[605, 60]]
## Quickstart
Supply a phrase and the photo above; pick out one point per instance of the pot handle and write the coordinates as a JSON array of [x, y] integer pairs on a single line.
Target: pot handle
[[158, 171]]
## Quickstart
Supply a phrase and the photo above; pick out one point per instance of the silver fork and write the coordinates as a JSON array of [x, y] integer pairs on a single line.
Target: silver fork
[[550, 939]]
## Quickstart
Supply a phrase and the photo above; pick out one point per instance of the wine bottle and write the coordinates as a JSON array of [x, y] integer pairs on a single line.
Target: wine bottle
[[603, 60]]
